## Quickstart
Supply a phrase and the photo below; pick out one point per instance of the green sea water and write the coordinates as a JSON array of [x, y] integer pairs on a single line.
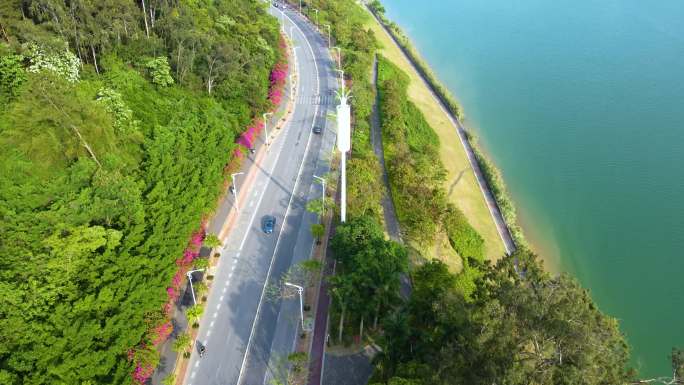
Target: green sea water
[[581, 105]]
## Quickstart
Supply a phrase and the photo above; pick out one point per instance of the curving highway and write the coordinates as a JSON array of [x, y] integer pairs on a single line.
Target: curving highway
[[247, 336]]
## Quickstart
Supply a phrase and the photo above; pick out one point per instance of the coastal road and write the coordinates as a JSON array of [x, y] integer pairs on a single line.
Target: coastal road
[[247, 335]]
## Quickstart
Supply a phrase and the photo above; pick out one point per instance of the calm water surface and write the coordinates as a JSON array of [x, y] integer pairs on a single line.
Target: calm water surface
[[581, 104]]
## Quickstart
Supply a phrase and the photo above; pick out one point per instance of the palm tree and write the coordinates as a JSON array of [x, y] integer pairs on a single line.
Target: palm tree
[[212, 241], [182, 343], [195, 313], [318, 231]]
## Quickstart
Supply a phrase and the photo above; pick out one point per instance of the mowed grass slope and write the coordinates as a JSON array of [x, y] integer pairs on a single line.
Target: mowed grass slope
[[461, 185]]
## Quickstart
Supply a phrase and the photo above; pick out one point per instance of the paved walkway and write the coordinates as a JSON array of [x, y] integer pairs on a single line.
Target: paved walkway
[[350, 369]]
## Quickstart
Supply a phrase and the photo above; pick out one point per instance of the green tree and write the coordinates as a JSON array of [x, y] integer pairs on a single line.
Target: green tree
[[12, 76], [212, 241], [519, 328], [160, 71], [318, 206], [182, 343], [368, 281], [200, 263], [194, 313], [317, 231], [201, 288], [298, 361]]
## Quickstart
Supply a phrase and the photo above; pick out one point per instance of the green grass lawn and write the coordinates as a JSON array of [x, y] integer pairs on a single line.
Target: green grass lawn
[[460, 184]]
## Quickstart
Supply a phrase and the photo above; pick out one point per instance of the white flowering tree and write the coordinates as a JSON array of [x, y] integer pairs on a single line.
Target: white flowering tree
[[63, 63], [160, 71], [114, 104]]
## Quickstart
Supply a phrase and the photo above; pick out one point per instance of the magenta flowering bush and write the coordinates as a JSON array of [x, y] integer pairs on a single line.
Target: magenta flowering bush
[[142, 373], [278, 76], [161, 333], [246, 139], [275, 96], [145, 360]]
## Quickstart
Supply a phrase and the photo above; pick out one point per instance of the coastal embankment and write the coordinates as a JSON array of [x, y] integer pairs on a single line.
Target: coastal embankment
[[446, 121]]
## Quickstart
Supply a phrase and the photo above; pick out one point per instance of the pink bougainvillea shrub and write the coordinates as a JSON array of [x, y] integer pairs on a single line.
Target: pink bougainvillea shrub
[[278, 76], [161, 333], [247, 138]]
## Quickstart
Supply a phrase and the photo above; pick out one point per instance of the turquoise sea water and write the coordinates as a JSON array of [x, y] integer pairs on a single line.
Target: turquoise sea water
[[581, 104]]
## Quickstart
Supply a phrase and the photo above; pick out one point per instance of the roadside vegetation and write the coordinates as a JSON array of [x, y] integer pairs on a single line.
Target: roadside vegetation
[[490, 172], [508, 322], [516, 329], [415, 171], [117, 120]]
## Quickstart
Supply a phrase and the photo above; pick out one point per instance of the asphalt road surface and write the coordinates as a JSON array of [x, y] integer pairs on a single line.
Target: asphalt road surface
[[248, 336]]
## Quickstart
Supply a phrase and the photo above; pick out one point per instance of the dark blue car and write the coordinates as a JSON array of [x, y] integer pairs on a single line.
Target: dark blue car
[[268, 224]]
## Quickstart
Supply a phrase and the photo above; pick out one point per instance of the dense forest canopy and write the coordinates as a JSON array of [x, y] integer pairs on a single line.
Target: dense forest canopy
[[117, 119]]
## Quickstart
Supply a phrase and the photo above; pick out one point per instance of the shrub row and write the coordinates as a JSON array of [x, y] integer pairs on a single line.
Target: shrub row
[[415, 171]]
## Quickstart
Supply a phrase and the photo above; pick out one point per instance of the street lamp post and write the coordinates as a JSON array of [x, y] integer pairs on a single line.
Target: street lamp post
[[341, 71], [189, 274], [300, 6], [322, 192], [235, 192], [300, 290], [266, 127], [328, 26], [315, 10], [339, 56]]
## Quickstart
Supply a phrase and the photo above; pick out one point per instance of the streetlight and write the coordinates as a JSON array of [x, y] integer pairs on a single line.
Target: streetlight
[[232, 176], [300, 6], [301, 301], [341, 71], [189, 274], [339, 56], [328, 26], [322, 192], [315, 10], [266, 127]]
